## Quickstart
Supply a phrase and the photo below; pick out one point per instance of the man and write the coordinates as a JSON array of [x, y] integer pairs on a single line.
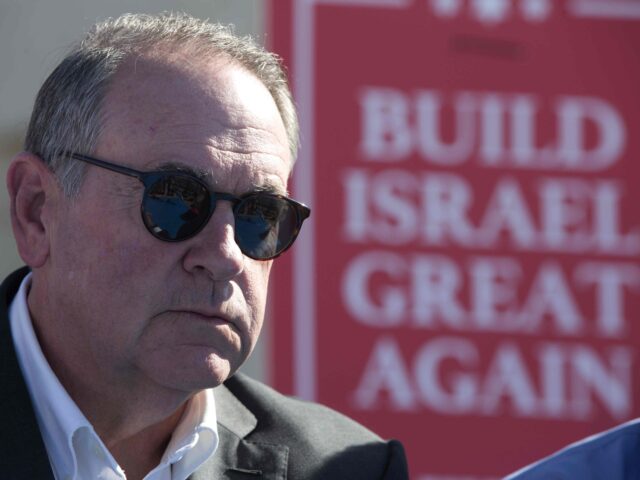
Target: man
[[149, 205], [610, 455]]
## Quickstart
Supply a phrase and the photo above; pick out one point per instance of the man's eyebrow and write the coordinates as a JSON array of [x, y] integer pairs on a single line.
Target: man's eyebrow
[[184, 168], [268, 186]]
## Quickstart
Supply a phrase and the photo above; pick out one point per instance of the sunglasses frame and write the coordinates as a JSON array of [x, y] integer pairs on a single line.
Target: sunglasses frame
[[302, 212]]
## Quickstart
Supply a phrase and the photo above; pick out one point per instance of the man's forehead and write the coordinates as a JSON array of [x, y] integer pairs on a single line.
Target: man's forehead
[[142, 75], [185, 113], [183, 88]]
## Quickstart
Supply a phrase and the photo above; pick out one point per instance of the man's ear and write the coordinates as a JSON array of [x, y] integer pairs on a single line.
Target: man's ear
[[32, 190]]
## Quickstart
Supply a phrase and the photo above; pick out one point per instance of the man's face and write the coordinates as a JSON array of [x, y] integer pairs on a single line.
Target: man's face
[[137, 310]]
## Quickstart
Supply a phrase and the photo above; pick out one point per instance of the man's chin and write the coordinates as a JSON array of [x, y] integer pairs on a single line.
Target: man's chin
[[192, 376], [219, 370]]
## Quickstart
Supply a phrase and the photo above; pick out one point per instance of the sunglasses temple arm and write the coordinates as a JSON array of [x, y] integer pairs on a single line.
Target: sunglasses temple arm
[[109, 166]]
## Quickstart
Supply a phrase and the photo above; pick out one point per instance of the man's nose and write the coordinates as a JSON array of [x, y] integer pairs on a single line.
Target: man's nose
[[214, 248]]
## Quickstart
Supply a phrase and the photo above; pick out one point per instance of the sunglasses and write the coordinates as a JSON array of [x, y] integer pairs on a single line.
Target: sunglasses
[[177, 205]]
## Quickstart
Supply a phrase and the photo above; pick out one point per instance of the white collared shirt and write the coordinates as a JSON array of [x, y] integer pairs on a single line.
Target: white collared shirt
[[75, 451]]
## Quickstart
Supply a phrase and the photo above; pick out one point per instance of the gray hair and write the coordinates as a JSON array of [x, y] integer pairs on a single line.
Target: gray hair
[[67, 112]]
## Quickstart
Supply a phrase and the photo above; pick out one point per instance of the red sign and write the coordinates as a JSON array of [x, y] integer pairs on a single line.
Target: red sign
[[469, 280]]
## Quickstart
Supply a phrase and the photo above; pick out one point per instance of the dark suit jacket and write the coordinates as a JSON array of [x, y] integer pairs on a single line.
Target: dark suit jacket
[[262, 434]]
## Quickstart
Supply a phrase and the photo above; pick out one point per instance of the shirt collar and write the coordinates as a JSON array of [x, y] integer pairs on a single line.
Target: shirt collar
[[58, 415], [195, 438], [193, 441]]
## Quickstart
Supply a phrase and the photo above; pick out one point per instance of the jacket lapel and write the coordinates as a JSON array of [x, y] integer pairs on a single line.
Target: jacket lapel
[[22, 452], [236, 457]]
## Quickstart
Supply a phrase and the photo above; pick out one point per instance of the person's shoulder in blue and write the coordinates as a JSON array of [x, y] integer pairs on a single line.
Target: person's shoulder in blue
[[610, 455]]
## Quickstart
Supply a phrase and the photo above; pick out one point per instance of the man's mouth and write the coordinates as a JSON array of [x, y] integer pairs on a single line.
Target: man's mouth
[[208, 315]]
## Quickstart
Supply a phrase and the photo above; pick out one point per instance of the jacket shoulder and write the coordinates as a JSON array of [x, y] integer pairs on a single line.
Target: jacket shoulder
[[22, 451], [276, 412], [322, 443]]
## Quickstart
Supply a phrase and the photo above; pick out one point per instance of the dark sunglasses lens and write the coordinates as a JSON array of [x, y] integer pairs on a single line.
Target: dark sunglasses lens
[[175, 207], [266, 225]]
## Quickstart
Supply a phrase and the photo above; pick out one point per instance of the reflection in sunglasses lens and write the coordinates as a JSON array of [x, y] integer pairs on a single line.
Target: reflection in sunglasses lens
[[175, 207], [258, 220]]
